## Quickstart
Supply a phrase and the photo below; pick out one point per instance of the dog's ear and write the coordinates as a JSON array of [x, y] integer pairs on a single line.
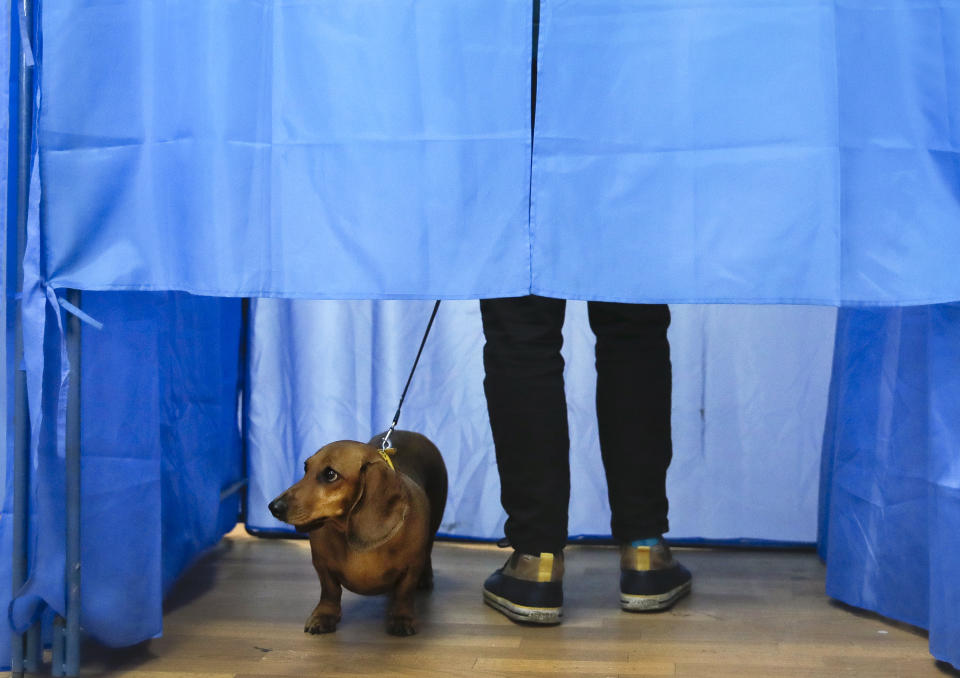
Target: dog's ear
[[379, 509]]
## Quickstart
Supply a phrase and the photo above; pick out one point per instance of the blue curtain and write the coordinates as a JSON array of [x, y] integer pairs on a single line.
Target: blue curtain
[[160, 441], [891, 473], [341, 150], [685, 152], [738, 151], [8, 281], [750, 396]]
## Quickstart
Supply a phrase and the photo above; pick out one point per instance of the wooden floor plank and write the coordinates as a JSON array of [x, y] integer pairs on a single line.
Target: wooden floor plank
[[239, 613]]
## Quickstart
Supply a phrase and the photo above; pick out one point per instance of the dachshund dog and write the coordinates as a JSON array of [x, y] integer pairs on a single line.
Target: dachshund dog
[[372, 519]]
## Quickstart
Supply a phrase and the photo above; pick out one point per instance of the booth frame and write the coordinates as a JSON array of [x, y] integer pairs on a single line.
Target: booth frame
[[26, 648]]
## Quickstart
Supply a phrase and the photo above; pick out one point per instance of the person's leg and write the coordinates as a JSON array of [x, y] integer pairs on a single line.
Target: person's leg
[[633, 413], [528, 417]]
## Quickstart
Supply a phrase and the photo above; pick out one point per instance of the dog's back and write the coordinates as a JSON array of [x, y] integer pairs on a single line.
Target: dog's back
[[420, 460]]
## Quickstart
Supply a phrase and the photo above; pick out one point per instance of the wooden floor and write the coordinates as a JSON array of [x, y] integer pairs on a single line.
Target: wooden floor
[[240, 612]]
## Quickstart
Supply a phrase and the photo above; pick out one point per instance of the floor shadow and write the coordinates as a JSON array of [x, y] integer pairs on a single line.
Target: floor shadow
[[867, 614], [945, 668], [198, 579], [99, 660]]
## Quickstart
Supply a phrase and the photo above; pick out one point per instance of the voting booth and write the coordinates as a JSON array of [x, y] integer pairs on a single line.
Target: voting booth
[[233, 217]]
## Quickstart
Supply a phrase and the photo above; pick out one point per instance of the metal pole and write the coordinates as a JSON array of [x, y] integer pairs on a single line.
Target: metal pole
[[21, 488], [72, 655], [20, 658], [66, 631], [58, 652], [243, 371]]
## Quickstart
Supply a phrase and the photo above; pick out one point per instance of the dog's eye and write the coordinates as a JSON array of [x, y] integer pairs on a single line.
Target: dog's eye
[[328, 475]]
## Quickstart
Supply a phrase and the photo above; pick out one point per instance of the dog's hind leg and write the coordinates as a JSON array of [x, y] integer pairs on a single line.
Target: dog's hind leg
[[425, 582], [400, 609]]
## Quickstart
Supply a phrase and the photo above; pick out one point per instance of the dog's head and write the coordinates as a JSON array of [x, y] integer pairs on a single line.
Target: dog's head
[[351, 485]]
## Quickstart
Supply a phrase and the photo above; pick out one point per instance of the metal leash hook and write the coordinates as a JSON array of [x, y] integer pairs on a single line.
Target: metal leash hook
[[386, 449], [385, 441]]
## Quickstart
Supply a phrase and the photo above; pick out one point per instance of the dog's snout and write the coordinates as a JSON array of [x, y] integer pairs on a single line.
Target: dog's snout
[[278, 507]]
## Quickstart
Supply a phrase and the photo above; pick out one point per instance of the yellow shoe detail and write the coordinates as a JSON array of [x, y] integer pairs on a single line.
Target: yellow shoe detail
[[545, 572]]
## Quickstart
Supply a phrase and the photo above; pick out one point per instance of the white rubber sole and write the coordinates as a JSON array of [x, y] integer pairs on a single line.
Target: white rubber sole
[[656, 603], [521, 613]]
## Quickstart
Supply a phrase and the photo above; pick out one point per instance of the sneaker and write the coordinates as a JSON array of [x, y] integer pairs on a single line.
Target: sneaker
[[528, 588], [650, 579]]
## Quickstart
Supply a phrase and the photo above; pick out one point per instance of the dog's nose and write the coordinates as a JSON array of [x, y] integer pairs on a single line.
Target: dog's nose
[[278, 507]]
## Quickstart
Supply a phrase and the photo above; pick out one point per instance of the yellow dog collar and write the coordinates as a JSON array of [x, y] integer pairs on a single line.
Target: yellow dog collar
[[386, 456]]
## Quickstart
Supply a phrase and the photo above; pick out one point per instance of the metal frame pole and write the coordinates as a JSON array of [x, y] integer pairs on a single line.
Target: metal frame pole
[[243, 372], [66, 649], [25, 648], [21, 489]]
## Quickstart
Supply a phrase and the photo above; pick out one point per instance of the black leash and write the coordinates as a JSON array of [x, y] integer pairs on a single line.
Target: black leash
[[385, 442]]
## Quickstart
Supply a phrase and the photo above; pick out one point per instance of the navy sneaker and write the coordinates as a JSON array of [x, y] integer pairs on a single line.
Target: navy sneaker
[[650, 579], [528, 588]]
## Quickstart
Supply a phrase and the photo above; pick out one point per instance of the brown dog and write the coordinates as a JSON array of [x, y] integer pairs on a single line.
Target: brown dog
[[371, 527]]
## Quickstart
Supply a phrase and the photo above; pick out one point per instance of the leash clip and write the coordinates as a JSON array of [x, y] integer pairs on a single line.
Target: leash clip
[[385, 441], [386, 449]]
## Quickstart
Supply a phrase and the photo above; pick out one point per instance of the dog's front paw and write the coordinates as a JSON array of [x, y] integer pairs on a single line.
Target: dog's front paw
[[321, 623], [400, 626]]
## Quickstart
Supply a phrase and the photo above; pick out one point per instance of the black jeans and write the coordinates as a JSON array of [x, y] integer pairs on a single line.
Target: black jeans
[[528, 415]]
